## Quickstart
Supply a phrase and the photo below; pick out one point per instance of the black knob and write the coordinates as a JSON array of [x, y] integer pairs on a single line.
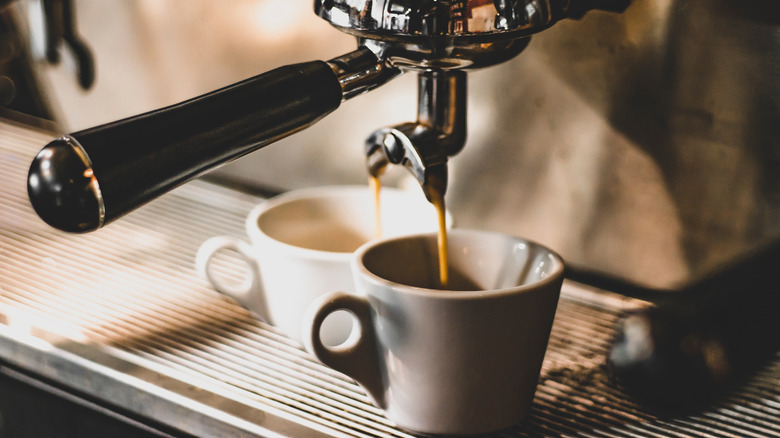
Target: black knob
[[63, 189]]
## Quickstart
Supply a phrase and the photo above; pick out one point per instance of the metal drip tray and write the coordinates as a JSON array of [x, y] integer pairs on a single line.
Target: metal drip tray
[[121, 315]]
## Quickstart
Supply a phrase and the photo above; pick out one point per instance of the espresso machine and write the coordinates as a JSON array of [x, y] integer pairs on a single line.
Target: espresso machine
[[85, 180], [640, 142], [642, 166]]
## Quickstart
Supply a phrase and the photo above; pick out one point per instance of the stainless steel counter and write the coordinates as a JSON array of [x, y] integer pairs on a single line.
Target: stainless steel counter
[[121, 316]]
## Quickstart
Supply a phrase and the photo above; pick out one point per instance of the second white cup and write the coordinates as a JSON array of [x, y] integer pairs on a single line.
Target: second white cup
[[301, 245]]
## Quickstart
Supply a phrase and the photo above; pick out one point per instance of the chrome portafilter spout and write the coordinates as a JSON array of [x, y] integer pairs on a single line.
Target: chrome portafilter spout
[[423, 147], [440, 39]]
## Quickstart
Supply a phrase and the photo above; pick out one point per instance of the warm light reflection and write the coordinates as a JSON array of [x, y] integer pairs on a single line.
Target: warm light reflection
[[32, 324], [276, 19]]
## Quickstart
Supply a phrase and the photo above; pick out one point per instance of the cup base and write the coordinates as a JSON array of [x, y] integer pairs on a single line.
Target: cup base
[[459, 434]]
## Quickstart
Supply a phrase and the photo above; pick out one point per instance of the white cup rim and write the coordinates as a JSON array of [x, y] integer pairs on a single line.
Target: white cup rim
[[358, 267], [254, 232]]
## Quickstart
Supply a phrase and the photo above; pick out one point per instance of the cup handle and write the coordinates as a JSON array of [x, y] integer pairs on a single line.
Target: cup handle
[[249, 293], [357, 356]]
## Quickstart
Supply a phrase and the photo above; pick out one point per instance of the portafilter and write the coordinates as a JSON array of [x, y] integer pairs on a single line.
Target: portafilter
[[84, 180]]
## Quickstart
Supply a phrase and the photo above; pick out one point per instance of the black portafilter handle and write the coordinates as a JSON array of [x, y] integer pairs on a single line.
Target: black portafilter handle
[[82, 181], [682, 355]]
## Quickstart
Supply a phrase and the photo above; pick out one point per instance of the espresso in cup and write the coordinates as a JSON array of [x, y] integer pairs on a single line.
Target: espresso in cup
[[445, 361]]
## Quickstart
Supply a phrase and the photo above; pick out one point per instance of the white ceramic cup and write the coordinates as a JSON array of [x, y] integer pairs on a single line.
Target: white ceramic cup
[[301, 245], [443, 361]]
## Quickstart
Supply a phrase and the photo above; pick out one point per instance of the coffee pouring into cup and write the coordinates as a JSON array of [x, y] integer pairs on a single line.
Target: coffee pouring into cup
[[84, 180]]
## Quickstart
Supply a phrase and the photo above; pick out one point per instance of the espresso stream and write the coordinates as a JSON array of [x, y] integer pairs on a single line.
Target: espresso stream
[[438, 203], [376, 187]]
